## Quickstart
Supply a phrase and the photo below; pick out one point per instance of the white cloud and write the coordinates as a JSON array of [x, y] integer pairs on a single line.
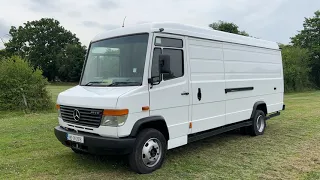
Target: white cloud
[[274, 20]]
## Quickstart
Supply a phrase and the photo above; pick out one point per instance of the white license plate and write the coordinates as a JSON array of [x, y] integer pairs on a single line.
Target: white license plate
[[75, 138]]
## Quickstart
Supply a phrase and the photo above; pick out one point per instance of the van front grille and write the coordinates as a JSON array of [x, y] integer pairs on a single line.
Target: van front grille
[[81, 116]]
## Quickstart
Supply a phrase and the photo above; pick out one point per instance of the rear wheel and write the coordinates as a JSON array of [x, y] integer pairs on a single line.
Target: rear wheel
[[258, 124], [149, 151]]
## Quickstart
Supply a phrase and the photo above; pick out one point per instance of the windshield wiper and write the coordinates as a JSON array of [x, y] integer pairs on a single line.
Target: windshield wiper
[[125, 83], [93, 82]]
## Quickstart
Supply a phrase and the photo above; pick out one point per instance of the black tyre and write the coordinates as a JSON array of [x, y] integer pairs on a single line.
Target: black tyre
[[149, 151], [259, 124]]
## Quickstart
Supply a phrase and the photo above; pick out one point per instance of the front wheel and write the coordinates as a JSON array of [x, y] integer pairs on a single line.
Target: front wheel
[[149, 151]]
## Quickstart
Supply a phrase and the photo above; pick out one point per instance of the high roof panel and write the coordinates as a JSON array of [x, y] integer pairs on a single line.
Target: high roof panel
[[187, 30]]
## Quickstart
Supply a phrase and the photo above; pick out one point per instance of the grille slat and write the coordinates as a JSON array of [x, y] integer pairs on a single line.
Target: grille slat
[[66, 110], [66, 116], [80, 109], [78, 122], [91, 117], [82, 117], [82, 112], [88, 116]]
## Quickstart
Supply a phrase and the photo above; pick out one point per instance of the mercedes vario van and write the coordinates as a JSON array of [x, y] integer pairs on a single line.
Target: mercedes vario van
[[152, 87]]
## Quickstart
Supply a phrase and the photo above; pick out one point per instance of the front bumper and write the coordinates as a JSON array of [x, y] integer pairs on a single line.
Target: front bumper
[[95, 144]]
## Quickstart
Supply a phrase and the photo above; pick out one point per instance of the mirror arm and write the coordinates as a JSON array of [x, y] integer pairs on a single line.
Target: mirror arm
[[150, 81]]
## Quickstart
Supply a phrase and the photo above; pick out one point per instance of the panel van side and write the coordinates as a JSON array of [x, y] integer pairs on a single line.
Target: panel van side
[[258, 71]]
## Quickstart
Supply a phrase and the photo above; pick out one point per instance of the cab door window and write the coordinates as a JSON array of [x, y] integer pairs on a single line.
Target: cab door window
[[175, 53], [176, 63]]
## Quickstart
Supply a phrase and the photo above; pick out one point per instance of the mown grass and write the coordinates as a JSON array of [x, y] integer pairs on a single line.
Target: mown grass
[[289, 149]]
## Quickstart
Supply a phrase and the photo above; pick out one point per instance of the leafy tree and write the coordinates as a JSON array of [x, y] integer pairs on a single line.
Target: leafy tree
[[227, 27], [41, 42], [3, 53], [309, 38], [71, 62], [296, 68], [22, 86]]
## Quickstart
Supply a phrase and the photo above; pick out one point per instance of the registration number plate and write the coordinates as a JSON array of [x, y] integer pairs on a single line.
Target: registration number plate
[[75, 138]]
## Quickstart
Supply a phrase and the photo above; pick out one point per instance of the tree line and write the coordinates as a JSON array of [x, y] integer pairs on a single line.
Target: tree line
[[49, 46], [60, 55]]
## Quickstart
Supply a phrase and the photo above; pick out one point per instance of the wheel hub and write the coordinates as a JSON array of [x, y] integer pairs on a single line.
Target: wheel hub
[[151, 152], [260, 123]]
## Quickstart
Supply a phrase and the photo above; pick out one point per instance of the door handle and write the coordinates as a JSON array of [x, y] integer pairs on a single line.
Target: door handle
[[185, 94]]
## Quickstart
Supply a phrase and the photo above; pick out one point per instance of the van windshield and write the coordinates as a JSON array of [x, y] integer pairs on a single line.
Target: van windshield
[[116, 62]]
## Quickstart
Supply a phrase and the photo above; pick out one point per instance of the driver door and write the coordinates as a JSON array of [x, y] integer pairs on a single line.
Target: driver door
[[170, 98]]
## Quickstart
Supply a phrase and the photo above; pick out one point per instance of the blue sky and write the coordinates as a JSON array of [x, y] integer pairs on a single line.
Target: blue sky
[[275, 20]]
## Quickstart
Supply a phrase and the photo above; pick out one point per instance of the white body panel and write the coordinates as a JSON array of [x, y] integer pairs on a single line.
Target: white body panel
[[93, 97], [213, 62], [207, 74]]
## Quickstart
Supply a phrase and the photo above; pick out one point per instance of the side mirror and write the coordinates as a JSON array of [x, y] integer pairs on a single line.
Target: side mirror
[[156, 76], [158, 68], [164, 61]]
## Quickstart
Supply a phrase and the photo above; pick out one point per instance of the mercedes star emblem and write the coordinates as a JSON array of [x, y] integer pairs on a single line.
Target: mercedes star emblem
[[76, 115]]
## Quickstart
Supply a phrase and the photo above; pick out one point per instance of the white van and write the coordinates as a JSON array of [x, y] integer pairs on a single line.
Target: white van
[[152, 87]]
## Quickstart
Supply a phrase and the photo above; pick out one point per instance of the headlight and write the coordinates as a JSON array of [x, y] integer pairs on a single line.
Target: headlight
[[114, 118], [113, 121]]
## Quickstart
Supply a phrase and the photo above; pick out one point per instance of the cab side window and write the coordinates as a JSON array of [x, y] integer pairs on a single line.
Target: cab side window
[[168, 42], [176, 63], [173, 48]]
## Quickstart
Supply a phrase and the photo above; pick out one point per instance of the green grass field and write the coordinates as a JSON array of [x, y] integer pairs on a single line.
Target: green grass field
[[289, 149]]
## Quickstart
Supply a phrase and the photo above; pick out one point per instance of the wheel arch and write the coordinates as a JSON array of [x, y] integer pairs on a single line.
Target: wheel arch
[[259, 105], [156, 122]]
